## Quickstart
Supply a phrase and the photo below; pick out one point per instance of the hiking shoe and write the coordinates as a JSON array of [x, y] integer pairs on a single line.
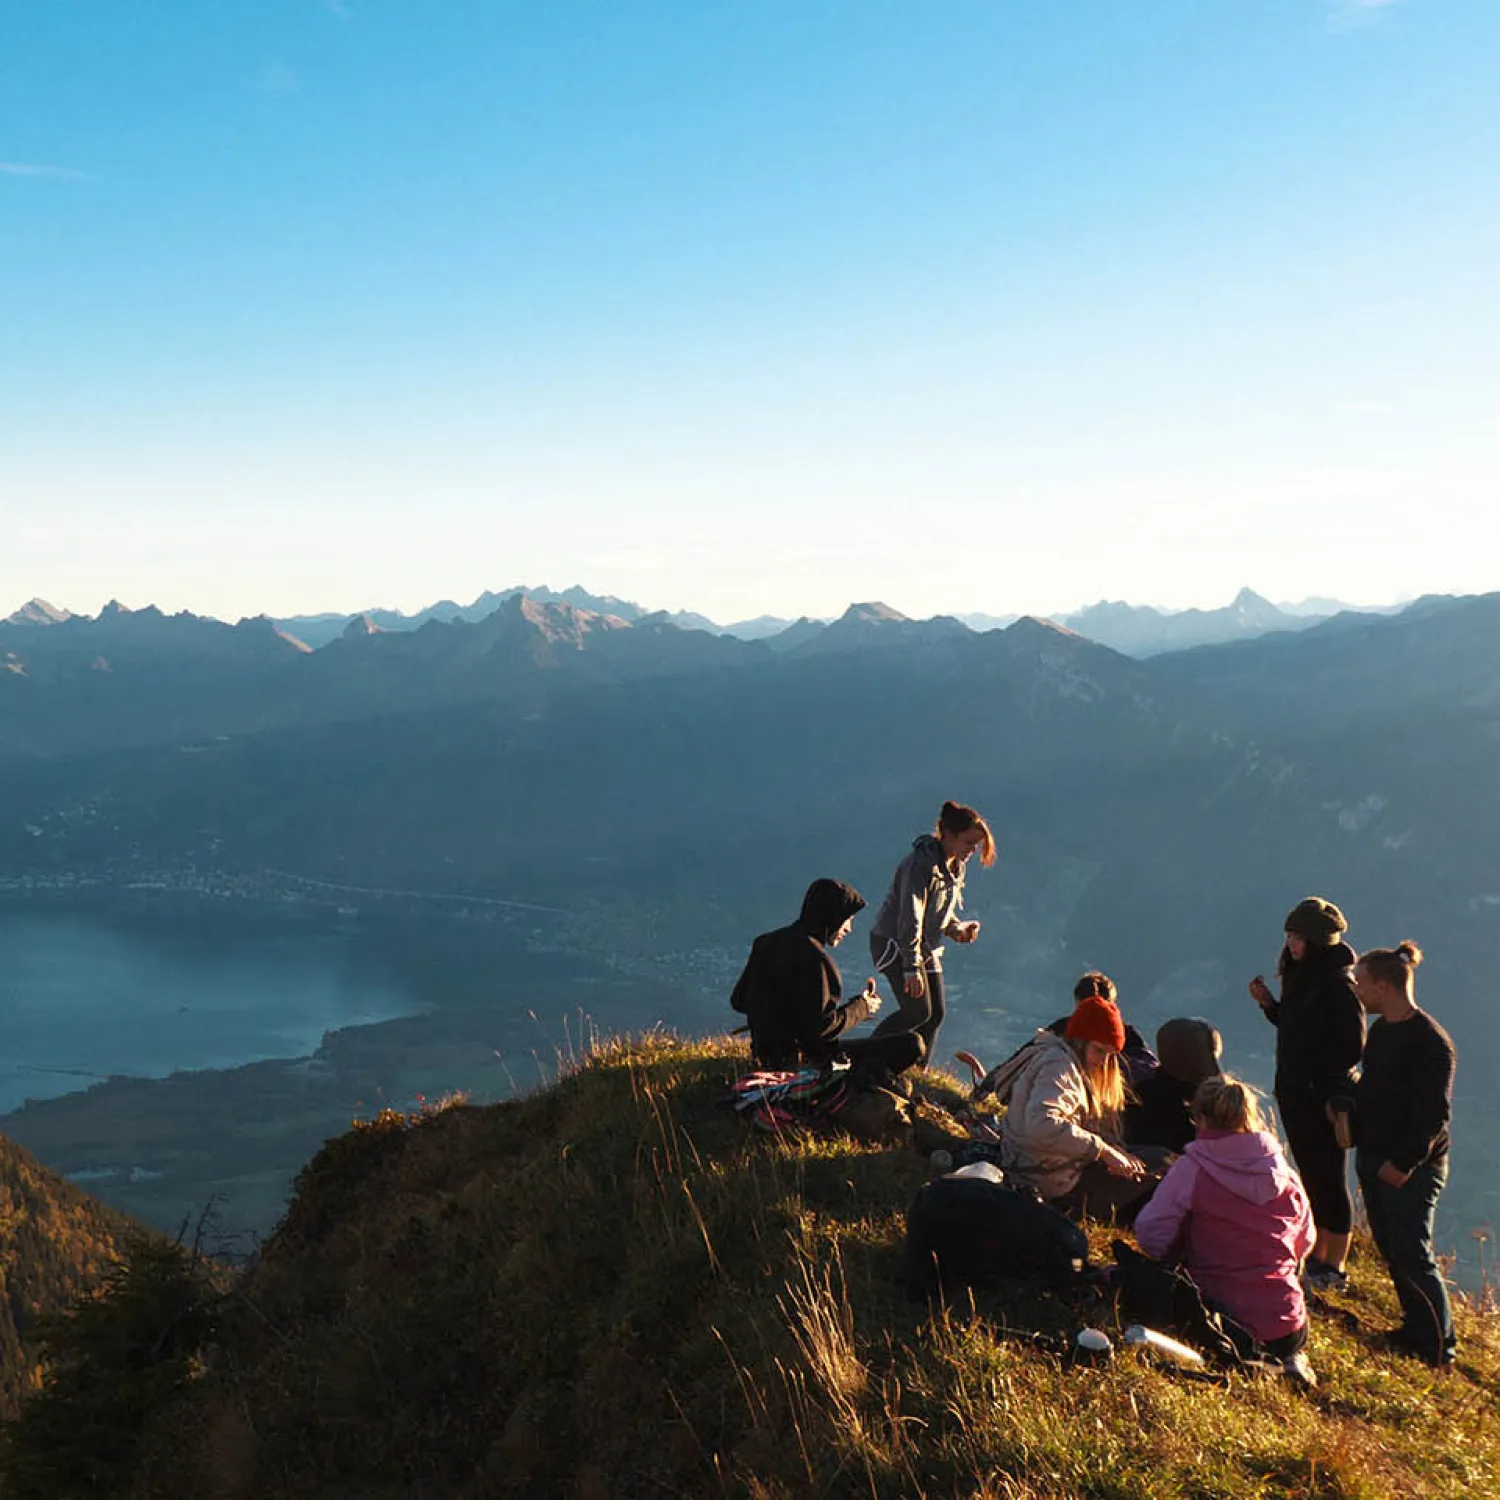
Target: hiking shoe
[[1321, 1277], [1297, 1370], [1399, 1341]]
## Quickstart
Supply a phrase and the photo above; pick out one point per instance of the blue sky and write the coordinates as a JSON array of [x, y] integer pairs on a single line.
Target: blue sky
[[744, 306]]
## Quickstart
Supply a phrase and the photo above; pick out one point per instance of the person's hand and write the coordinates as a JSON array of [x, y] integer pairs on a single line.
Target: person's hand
[[966, 933], [1120, 1164], [1260, 992], [872, 999], [1392, 1175], [915, 986]]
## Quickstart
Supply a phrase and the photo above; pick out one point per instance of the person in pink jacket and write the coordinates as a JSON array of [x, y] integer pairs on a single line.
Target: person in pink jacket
[[1233, 1213]]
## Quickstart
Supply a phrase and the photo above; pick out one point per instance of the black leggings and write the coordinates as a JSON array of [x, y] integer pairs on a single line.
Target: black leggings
[[1320, 1160], [922, 1013]]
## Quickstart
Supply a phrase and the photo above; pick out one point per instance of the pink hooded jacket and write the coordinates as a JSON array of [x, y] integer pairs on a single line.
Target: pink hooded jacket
[[1235, 1215]]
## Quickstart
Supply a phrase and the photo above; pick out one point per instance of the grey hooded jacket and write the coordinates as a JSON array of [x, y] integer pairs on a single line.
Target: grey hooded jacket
[[919, 911]]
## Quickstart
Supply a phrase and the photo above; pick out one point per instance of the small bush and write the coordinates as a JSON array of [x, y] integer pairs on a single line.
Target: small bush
[[111, 1365]]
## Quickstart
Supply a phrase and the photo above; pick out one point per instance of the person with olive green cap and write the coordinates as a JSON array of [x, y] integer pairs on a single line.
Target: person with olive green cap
[[1320, 1037]]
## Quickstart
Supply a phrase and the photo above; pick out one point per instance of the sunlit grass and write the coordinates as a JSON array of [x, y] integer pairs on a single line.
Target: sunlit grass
[[613, 1288]]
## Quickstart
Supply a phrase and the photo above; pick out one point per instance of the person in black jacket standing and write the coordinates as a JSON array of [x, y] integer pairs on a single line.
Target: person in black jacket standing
[[1320, 1036], [791, 992], [1402, 1106]]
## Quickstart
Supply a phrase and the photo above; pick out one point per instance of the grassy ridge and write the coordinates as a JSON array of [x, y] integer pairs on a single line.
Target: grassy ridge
[[612, 1289]]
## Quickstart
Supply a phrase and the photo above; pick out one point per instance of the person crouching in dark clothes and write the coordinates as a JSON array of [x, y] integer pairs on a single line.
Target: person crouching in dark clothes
[[791, 993], [1402, 1105], [1160, 1113], [1320, 1036]]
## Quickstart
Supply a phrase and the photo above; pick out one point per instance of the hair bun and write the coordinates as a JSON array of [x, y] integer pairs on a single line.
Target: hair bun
[[1409, 954]]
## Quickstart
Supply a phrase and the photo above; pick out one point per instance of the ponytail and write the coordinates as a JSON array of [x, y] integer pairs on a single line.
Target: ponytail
[[1392, 966], [956, 818]]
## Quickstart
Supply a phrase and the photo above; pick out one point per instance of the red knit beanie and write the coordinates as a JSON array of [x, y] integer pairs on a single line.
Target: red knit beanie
[[1097, 1020]]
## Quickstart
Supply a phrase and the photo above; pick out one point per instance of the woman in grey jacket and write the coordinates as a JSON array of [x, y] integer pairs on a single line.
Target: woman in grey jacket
[[920, 911]]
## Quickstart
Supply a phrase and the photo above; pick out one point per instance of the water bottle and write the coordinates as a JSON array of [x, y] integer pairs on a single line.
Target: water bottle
[[1091, 1347], [1138, 1336]]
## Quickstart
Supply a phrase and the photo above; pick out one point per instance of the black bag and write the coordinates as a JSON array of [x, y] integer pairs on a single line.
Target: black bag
[[1167, 1299], [978, 1233]]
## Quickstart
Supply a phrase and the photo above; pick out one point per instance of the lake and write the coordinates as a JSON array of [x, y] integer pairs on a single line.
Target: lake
[[85, 995]]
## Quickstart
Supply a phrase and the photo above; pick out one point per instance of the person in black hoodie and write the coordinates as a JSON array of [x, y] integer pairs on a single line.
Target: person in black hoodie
[[1320, 1037], [1401, 1112], [791, 992]]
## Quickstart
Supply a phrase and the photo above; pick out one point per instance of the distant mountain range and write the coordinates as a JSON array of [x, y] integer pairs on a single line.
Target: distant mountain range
[[1139, 630], [1135, 630], [674, 790]]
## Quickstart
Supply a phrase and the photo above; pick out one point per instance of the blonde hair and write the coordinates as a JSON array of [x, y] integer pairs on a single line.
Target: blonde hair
[[1106, 1084], [1224, 1103]]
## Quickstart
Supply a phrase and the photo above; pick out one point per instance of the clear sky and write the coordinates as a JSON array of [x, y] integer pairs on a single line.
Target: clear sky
[[747, 305]]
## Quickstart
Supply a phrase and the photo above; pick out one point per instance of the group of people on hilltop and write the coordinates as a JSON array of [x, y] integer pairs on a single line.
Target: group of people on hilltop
[[1100, 1126]]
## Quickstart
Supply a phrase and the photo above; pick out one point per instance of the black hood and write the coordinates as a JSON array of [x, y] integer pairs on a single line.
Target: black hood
[[827, 905]]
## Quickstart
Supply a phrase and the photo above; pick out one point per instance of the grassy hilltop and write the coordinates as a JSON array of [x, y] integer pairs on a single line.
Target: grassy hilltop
[[612, 1289]]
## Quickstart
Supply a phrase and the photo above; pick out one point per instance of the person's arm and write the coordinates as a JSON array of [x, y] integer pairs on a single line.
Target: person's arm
[[1163, 1221], [1270, 1006], [1431, 1074], [739, 996], [1344, 1033], [813, 1004], [912, 881], [1304, 1232]]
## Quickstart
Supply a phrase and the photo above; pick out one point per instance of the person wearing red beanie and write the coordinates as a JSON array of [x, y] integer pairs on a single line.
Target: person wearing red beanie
[[1096, 1019], [1063, 1096]]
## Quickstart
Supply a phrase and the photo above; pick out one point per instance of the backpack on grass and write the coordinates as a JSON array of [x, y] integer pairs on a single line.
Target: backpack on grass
[[979, 1233], [870, 1113]]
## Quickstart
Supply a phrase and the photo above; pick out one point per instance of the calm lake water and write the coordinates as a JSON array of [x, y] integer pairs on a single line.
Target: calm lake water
[[86, 995]]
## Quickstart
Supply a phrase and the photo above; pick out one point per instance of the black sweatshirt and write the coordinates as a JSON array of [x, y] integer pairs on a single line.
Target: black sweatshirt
[[1320, 1026], [791, 991], [1404, 1097]]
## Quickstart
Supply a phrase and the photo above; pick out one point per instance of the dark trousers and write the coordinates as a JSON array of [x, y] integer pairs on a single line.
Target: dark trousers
[[890, 1054], [922, 1014], [1401, 1225], [871, 1054], [1251, 1347], [1321, 1161], [1102, 1196]]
